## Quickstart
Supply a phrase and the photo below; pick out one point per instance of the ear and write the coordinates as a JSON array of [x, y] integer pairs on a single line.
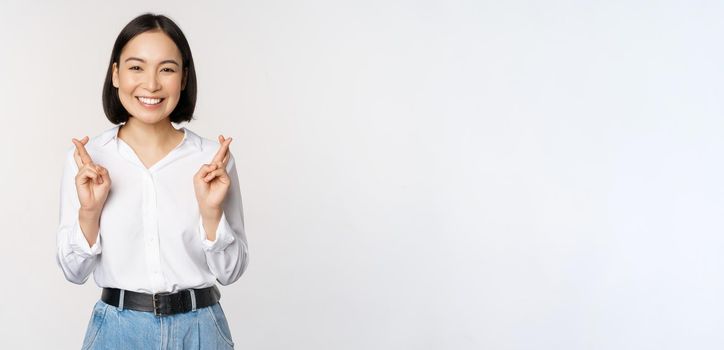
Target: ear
[[115, 75], [183, 80]]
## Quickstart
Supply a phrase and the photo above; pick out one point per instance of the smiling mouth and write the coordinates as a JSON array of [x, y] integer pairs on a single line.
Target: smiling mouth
[[149, 101]]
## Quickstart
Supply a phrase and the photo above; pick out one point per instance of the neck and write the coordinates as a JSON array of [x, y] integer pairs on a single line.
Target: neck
[[146, 135]]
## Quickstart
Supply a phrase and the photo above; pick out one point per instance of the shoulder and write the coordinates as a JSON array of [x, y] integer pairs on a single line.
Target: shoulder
[[95, 142], [203, 142], [207, 146]]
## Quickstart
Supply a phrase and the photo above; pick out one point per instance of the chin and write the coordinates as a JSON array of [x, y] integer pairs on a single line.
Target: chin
[[150, 119]]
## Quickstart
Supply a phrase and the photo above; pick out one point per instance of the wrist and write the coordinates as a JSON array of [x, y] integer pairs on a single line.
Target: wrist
[[210, 213], [210, 219], [89, 214]]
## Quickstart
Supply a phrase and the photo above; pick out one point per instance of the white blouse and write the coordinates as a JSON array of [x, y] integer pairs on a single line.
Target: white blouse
[[151, 236]]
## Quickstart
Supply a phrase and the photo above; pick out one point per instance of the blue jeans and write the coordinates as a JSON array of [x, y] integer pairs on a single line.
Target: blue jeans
[[113, 328]]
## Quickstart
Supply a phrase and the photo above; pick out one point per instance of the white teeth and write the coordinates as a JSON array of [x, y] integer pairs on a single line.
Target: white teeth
[[150, 101]]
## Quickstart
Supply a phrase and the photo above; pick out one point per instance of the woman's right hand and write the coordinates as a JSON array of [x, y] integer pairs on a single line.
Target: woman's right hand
[[92, 181]]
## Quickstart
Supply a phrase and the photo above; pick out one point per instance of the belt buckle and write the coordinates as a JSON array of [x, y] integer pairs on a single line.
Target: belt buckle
[[156, 310]]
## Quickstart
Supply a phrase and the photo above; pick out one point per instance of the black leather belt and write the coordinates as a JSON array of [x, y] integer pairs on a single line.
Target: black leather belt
[[163, 303]]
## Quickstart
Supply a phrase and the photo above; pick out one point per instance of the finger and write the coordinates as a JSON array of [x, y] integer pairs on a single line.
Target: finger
[[221, 173], [205, 169], [227, 155], [222, 149], [86, 174], [98, 179], [211, 175], [95, 169], [88, 168], [226, 159], [84, 156], [76, 155], [102, 174], [220, 165]]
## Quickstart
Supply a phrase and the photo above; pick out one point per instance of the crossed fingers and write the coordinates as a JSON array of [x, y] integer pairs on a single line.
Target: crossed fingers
[[82, 159], [81, 155], [217, 166], [222, 155]]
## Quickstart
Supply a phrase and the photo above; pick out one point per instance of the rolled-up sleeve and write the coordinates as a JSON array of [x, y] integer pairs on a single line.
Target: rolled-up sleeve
[[74, 255], [228, 255]]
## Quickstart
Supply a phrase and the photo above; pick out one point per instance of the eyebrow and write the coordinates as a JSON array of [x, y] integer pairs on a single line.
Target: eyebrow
[[144, 61]]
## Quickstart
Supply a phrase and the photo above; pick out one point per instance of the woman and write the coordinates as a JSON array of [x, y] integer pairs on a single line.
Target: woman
[[154, 212]]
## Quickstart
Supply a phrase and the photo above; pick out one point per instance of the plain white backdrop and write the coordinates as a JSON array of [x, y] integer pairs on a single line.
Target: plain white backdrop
[[415, 174]]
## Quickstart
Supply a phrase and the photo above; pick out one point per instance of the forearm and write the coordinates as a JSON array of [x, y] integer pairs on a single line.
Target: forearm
[[228, 264], [76, 257], [224, 238], [226, 255], [210, 219], [90, 224]]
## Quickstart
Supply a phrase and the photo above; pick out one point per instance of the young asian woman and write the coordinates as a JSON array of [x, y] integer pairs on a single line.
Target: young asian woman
[[152, 211]]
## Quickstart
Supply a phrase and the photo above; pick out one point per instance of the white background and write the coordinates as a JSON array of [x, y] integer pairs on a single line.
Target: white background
[[415, 174]]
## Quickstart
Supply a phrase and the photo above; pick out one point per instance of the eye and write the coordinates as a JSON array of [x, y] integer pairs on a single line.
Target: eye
[[134, 68], [171, 70]]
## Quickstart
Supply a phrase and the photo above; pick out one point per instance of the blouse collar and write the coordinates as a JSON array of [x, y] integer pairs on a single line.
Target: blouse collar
[[111, 134]]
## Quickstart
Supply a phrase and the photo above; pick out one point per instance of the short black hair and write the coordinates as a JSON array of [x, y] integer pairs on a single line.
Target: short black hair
[[115, 112]]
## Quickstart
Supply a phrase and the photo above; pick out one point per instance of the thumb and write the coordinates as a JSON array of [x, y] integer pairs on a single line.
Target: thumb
[[103, 174], [205, 170]]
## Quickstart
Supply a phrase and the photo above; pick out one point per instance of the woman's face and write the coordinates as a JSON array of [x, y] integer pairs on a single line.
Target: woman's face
[[149, 76]]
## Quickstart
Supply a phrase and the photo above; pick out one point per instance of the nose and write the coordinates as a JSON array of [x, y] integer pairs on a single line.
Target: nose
[[152, 83]]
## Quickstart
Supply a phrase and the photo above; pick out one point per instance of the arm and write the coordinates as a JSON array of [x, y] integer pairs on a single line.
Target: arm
[[227, 255], [75, 255]]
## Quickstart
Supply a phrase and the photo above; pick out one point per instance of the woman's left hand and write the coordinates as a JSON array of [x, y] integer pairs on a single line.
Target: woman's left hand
[[212, 182]]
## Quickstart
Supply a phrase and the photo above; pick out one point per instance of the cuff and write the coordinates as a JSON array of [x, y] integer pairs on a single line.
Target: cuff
[[224, 235], [79, 244]]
